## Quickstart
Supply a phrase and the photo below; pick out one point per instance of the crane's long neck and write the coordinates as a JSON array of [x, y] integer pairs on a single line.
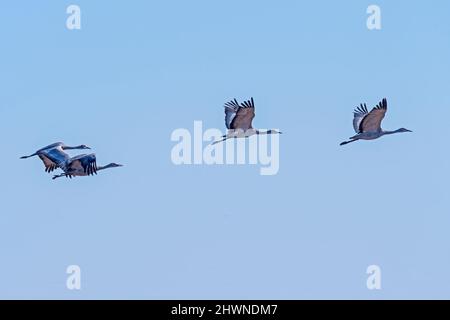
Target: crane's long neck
[[111, 165], [391, 132], [72, 148]]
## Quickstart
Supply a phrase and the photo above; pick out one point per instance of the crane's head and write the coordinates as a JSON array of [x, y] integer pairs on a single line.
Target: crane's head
[[272, 131], [81, 147], [114, 165], [403, 130]]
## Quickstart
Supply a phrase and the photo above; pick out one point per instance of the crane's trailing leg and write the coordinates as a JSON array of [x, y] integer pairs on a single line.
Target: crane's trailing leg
[[31, 155], [347, 142], [58, 176], [218, 141], [62, 175]]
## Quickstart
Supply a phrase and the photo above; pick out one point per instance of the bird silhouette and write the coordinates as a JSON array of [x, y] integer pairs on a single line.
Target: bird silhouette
[[54, 157], [367, 124], [238, 120]]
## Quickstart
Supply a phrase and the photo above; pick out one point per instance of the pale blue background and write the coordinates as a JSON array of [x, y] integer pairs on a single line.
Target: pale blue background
[[140, 69]]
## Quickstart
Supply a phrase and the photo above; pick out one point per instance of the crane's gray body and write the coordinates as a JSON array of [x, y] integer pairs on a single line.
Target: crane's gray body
[[367, 124]]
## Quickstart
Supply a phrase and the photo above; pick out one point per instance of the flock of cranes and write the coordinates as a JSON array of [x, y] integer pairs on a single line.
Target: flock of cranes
[[54, 157], [238, 120], [239, 117]]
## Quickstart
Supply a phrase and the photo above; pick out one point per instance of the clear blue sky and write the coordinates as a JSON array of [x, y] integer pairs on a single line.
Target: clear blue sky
[[137, 70]]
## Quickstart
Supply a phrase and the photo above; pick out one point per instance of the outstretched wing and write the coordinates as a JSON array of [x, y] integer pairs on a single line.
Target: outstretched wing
[[231, 109], [244, 116], [52, 146], [365, 121], [87, 162], [358, 115], [49, 164], [372, 121], [53, 158]]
